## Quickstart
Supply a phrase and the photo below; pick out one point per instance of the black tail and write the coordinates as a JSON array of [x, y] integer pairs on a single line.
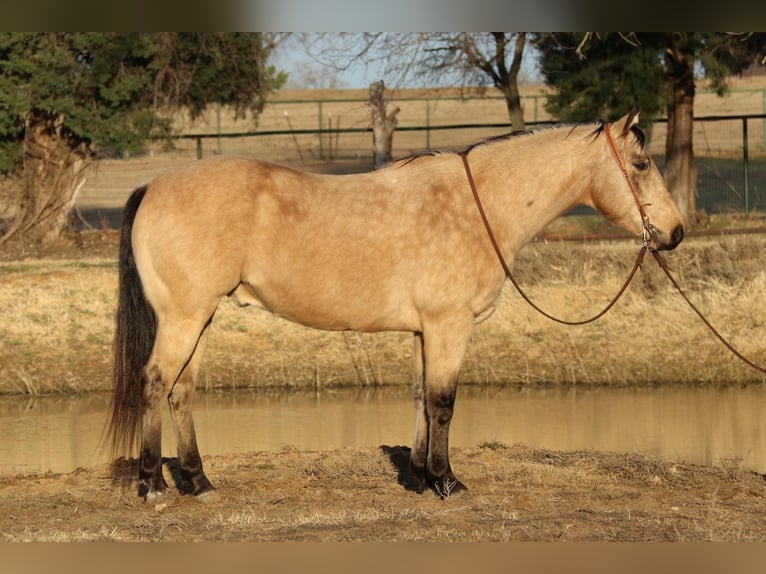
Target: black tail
[[133, 340]]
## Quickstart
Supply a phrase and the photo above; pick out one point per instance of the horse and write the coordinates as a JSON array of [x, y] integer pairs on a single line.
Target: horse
[[402, 249]]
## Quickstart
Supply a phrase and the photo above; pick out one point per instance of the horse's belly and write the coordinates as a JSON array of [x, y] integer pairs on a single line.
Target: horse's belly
[[331, 309]]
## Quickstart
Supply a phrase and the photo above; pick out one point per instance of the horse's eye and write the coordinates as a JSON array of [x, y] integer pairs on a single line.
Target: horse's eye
[[641, 165]]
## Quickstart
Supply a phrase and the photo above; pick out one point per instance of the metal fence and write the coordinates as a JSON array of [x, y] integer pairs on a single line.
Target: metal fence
[[730, 151]]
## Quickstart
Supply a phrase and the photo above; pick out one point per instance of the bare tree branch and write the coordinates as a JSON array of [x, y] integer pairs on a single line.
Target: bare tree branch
[[434, 58]]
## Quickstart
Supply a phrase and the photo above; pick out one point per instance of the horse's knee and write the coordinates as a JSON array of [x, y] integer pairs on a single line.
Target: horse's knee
[[180, 396], [440, 405]]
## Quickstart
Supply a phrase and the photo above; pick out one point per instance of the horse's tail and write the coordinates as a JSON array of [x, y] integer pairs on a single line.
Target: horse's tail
[[133, 341]]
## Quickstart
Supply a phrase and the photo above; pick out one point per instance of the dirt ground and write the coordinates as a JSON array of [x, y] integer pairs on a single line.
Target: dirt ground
[[516, 493]]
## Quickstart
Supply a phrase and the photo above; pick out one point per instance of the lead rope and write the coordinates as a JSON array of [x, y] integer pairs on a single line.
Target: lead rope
[[663, 264], [646, 235], [509, 275]]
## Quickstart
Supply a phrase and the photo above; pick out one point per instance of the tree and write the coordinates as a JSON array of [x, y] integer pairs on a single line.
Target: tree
[[612, 76], [64, 97], [601, 75], [434, 58], [383, 125]]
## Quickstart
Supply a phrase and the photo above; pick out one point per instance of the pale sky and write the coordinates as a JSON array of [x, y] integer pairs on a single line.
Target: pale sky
[[292, 58]]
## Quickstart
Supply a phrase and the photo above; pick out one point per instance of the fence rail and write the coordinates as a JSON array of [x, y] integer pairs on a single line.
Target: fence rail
[[730, 153]]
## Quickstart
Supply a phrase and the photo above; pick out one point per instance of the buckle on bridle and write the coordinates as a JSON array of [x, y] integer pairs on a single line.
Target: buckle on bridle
[[646, 233]]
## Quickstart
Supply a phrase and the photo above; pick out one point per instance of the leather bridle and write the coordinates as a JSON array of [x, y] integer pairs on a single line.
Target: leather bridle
[[646, 234]]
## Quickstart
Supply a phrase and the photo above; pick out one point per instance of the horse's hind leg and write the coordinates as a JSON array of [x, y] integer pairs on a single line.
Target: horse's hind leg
[[174, 345], [192, 474]]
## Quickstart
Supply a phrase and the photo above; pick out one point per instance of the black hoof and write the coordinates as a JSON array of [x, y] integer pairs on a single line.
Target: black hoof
[[202, 487]]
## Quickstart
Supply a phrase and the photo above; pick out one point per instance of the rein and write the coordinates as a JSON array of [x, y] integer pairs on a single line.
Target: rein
[[507, 269], [664, 266], [646, 235]]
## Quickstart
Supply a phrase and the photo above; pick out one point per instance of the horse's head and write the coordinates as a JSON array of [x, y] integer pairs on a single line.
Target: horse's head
[[630, 190]]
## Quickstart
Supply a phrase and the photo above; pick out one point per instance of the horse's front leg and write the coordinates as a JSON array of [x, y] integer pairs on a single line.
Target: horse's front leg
[[419, 451], [444, 345]]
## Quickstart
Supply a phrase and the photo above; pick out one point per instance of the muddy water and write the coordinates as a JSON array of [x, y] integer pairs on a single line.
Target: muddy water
[[709, 425]]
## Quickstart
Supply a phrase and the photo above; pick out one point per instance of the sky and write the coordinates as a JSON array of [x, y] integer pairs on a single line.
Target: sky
[[294, 58]]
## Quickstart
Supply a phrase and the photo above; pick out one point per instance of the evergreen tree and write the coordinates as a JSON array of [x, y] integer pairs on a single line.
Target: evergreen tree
[[603, 75], [613, 77], [65, 96]]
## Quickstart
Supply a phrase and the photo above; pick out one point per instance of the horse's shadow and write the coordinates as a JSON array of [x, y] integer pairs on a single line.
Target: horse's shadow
[[400, 458], [125, 470]]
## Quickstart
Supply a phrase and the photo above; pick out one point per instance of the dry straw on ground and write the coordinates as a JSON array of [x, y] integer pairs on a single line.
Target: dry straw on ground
[[517, 493]]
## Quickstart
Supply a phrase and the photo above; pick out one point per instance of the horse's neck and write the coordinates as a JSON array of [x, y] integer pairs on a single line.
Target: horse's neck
[[529, 183]]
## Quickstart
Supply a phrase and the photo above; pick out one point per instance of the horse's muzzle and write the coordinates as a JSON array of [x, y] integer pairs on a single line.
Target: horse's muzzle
[[676, 237]]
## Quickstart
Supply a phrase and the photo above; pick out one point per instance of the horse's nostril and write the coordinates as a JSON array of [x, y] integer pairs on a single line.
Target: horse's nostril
[[678, 235]]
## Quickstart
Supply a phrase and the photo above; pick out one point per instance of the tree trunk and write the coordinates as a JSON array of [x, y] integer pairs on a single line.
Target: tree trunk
[[515, 111], [46, 186], [383, 125], [680, 168], [512, 97]]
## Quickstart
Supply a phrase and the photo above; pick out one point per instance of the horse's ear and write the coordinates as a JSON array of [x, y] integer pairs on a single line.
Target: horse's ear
[[623, 125]]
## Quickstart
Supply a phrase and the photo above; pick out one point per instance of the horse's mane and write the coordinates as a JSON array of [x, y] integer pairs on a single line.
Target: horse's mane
[[488, 141], [635, 129], [497, 139]]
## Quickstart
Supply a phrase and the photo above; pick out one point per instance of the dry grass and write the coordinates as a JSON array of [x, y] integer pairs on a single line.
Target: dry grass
[[58, 322], [517, 493]]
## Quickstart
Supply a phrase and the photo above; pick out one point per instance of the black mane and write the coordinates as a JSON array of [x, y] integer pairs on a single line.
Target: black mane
[[635, 129]]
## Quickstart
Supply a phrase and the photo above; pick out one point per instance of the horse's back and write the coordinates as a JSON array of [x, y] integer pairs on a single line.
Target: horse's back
[[360, 252]]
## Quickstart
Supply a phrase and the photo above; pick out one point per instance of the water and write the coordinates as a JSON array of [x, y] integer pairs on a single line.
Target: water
[[706, 425]]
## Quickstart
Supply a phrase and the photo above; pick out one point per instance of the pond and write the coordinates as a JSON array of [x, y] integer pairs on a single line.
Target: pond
[[706, 425]]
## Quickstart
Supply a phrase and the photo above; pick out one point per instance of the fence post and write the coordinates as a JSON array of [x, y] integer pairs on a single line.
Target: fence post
[[764, 120], [746, 166], [321, 149], [218, 126], [428, 124]]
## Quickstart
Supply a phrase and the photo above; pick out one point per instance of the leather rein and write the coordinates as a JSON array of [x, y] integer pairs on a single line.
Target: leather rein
[[646, 234]]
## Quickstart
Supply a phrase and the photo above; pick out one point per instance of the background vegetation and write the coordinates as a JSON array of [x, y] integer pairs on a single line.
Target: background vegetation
[[64, 97]]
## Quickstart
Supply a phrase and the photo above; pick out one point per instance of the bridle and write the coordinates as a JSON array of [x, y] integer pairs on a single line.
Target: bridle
[[646, 234], [647, 230]]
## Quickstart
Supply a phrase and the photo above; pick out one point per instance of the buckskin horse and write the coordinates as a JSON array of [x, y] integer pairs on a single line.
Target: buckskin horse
[[399, 249]]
